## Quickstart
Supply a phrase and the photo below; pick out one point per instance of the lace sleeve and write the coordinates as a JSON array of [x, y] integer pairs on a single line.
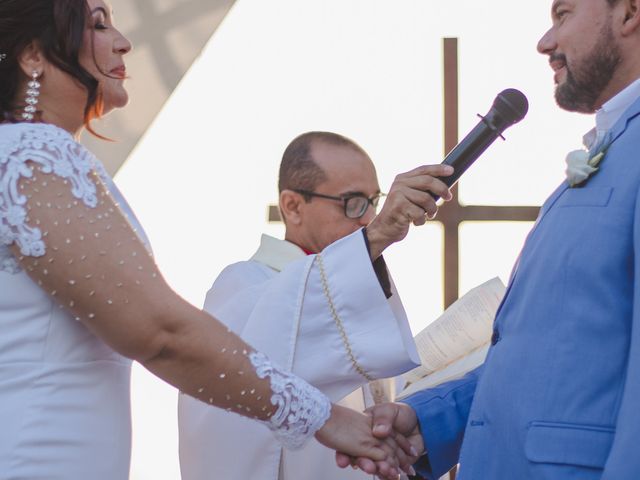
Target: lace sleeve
[[54, 151], [301, 410], [62, 226]]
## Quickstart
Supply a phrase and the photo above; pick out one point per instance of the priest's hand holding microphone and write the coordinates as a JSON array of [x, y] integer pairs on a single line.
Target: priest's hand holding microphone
[[409, 201], [413, 195]]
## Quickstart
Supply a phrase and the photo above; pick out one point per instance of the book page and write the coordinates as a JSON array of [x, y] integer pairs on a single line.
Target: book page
[[452, 371], [463, 327]]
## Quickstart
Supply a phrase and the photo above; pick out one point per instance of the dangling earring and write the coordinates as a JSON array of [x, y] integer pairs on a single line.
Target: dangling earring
[[33, 92]]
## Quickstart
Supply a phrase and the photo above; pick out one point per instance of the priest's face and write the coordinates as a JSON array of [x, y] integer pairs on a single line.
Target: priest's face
[[584, 53], [348, 171]]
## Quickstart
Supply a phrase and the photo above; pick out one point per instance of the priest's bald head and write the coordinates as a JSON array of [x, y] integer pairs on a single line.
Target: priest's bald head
[[328, 189]]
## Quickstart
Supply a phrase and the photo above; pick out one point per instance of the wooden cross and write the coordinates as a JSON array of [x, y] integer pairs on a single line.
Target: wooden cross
[[453, 213]]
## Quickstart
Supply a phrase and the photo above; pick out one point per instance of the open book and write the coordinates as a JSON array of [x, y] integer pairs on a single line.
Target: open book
[[458, 341]]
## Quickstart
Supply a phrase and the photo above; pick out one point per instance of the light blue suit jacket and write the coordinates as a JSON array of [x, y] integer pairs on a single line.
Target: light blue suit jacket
[[559, 394]]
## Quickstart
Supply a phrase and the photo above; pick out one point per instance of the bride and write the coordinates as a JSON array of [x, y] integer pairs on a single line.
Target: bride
[[80, 294]]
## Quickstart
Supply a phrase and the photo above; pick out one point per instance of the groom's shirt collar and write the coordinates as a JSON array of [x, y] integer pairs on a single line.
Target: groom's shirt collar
[[611, 112]]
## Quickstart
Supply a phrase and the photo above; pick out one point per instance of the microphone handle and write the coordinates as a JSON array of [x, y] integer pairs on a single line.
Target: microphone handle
[[467, 152]]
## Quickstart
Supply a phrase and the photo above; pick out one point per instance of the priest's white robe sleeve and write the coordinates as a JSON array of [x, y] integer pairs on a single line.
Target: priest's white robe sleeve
[[377, 336], [326, 318]]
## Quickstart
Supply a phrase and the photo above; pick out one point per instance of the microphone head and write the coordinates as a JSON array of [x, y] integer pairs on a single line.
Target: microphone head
[[511, 105]]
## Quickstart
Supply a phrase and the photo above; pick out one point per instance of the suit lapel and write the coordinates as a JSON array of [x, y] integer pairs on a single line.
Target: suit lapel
[[543, 211]]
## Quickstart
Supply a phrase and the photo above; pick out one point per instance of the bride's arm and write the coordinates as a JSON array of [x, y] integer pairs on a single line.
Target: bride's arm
[[94, 265]]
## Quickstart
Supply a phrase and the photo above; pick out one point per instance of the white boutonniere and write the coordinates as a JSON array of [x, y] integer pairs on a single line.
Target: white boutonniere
[[581, 165]]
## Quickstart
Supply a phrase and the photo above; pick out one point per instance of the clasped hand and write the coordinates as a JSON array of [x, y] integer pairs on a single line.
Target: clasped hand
[[385, 441]]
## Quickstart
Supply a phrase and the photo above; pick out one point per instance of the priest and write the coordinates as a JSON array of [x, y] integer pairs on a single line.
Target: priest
[[320, 303]]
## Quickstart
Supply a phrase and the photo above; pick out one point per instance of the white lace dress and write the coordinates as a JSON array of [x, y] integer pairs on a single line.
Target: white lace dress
[[64, 394]]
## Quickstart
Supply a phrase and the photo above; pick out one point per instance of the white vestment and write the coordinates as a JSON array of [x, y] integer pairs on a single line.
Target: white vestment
[[280, 303]]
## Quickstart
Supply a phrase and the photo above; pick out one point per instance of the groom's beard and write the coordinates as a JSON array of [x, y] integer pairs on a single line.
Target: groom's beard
[[586, 81]]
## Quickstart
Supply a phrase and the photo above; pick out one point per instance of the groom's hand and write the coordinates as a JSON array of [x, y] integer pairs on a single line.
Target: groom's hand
[[398, 417], [351, 432], [389, 420]]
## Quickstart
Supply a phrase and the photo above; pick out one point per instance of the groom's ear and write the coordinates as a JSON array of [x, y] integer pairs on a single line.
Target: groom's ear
[[630, 17]]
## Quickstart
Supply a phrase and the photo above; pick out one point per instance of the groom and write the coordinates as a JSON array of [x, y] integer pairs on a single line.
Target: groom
[[559, 394]]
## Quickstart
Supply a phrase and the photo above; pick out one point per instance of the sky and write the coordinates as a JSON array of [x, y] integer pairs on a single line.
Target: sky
[[201, 178]]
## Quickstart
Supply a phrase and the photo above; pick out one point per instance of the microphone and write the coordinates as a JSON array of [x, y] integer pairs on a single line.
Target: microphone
[[509, 107]]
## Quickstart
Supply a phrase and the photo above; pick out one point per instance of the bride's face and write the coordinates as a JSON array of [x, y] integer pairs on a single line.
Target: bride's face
[[102, 54]]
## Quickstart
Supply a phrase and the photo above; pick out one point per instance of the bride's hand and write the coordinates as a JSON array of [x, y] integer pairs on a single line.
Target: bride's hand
[[350, 432], [390, 420]]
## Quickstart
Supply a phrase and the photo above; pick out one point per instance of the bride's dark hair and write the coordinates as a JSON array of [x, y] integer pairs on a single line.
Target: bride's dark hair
[[57, 26]]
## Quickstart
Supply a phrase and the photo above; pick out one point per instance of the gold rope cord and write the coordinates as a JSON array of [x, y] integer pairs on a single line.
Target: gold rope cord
[[338, 322]]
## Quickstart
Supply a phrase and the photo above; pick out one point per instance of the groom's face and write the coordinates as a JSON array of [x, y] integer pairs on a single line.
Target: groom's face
[[583, 52]]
